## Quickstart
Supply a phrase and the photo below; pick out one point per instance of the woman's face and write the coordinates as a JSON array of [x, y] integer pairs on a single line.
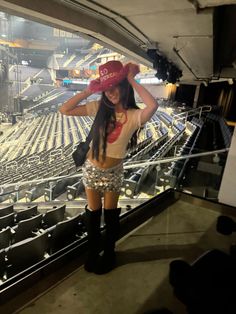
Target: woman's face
[[113, 95]]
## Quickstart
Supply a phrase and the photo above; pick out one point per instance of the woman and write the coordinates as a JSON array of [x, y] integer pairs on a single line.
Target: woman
[[115, 128]]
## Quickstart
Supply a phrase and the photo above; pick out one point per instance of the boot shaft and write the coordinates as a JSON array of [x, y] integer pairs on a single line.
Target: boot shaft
[[93, 222], [112, 221]]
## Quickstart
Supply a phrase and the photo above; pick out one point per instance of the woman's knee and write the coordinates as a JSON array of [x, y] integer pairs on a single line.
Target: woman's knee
[[111, 200], [94, 199]]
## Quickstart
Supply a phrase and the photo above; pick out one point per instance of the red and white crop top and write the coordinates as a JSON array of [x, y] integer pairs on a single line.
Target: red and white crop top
[[126, 124]]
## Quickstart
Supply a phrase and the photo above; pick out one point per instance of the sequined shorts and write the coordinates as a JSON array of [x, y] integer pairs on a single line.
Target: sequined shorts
[[110, 179]]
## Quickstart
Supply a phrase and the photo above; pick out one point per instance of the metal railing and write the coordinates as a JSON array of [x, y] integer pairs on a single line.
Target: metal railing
[[17, 186], [183, 116]]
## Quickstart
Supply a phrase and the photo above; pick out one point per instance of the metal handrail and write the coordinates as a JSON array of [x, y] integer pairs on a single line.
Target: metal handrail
[[138, 164], [184, 115]]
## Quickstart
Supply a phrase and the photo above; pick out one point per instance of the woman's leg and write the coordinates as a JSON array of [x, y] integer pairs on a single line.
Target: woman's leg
[[112, 221], [111, 199], [94, 199], [93, 220]]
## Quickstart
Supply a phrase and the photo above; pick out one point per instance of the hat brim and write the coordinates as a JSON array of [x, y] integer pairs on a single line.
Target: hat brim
[[98, 86]]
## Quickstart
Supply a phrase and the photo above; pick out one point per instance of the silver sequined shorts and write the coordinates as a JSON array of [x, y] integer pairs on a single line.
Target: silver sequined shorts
[[110, 179]]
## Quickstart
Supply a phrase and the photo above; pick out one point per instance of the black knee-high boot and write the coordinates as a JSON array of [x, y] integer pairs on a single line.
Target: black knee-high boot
[[93, 220], [108, 260]]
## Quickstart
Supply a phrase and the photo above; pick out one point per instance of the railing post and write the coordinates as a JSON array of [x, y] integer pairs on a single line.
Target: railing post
[[186, 118], [17, 192], [50, 191], [175, 150], [200, 112]]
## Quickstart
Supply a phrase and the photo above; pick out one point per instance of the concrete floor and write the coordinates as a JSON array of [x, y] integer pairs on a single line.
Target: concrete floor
[[140, 281]]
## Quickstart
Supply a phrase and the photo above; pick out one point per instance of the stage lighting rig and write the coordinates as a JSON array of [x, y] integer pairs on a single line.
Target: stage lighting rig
[[165, 70], [173, 74], [161, 65]]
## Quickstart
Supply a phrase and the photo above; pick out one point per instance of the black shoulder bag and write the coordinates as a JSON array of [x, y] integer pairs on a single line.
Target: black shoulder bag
[[81, 150]]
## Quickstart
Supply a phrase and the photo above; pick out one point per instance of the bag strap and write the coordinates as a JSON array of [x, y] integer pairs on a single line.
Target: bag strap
[[89, 136]]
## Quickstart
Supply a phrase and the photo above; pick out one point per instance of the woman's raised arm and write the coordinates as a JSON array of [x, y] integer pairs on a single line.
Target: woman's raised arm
[[71, 108], [149, 101]]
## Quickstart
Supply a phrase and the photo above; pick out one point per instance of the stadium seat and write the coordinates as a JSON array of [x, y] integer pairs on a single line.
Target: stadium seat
[[5, 238], [6, 210], [2, 263], [25, 228], [26, 253], [53, 216], [65, 232], [7, 220], [26, 213]]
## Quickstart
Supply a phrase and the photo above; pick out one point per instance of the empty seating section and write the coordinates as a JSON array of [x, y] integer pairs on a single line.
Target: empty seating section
[[90, 58], [76, 60], [33, 234], [39, 141], [158, 148], [225, 131], [47, 141], [174, 171], [17, 87], [165, 118], [22, 73], [44, 77], [50, 101], [80, 59], [36, 91], [61, 59]]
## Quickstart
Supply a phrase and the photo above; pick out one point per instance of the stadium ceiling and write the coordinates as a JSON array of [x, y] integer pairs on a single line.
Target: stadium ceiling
[[198, 36]]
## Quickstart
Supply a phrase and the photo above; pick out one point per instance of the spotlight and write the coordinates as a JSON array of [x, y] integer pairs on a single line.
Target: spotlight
[[161, 65], [165, 69], [173, 73], [152, 53]]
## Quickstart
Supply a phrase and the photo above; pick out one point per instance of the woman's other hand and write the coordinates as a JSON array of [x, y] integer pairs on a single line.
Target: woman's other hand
[[133, 70], [94, 85]]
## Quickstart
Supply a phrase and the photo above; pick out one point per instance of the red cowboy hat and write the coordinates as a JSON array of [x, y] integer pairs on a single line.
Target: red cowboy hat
[[110, 74]]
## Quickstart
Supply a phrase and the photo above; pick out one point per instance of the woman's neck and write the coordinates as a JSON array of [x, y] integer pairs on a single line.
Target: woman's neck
[[119, 108]]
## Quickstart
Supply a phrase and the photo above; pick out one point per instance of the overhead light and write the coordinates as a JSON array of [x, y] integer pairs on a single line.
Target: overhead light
[[166, 70], [230, 81], [4, 35]]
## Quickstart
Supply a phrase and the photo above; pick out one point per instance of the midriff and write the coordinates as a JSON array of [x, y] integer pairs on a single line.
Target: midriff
[[108, 162]]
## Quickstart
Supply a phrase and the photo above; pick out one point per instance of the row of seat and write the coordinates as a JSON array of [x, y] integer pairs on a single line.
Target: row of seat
[[24, 221], [40, 245], [135, 179]]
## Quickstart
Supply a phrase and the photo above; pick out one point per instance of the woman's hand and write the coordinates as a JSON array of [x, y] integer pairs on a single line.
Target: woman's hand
[[133, 70], [94, 86]]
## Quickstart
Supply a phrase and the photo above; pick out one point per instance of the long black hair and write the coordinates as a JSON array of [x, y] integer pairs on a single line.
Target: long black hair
[[106, 116]]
